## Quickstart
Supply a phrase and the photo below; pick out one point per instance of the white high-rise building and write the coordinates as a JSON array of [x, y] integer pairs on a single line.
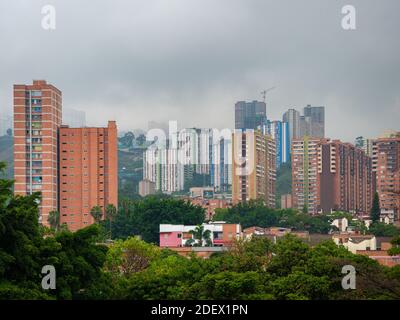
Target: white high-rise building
[[197, 151], [221, 168], [161, 166], [292, 117]]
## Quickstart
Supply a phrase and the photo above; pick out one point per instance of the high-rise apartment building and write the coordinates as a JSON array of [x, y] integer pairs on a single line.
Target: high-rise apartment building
[[316, 117], [280, 133], [254, 167], [173, 165], [305, 177], [365, 145], [386, 165], [331, 176], [146, 187], [221, 168], [250, 115], [292, 117], [311, 123], [37, 118], [162, 166], [195, 148], [88, 168], [305, 127], [347, 182]]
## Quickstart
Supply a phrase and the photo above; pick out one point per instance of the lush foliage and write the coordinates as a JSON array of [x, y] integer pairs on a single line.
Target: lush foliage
[[255, 269], [200, 238], [143, 217], [395, 250], [134, 269], [254, 213], [375, 210], [25, 248], [380, 229]]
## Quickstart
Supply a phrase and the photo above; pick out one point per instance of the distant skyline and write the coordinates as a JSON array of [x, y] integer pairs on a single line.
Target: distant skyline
[[191, 61]]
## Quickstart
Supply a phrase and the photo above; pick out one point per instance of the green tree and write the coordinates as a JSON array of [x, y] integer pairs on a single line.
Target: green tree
[[24, 250], [110, 213], [289, 254], [143, 217], [54, 219], [255, 213], [96, 213], [245, 255], [301, 286], [375, 210], [130, 256], [78, 260], [228, 286], [395, 250], [380, 229]]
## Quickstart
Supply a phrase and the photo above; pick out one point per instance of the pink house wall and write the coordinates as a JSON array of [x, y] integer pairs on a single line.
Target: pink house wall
[[170, 239]]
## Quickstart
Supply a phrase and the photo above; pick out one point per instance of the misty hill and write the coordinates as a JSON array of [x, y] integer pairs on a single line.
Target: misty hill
[[7, 154]]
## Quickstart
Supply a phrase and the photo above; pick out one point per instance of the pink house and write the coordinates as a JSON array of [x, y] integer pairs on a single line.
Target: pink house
[[171, 239], [176, 236]]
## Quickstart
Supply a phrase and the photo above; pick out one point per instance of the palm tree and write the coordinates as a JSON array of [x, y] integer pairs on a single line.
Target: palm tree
[[190, 242], [202, 236], [96, 213], [54, 220], [111, 211]]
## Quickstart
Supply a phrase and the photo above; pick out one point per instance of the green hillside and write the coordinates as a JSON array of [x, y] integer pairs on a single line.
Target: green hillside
[[6, 154]]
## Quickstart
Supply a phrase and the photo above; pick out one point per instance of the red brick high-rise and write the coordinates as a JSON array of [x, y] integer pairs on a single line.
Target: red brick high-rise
[[88, 172], [386, 164], [37, 117], [347, 182], [331, 176]]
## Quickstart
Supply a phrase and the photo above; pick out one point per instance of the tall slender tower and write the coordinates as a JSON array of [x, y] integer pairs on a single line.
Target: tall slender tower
[[254, 167], [37, 118], [292, 117]]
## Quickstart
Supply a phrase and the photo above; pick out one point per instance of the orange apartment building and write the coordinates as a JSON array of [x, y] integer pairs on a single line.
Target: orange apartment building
[[386, 165], [210, 205], [331, 176], [88, 172], [254, 167], [37, 118]]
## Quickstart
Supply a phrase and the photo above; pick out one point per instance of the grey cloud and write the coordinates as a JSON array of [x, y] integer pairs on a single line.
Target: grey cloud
[[191, 60]]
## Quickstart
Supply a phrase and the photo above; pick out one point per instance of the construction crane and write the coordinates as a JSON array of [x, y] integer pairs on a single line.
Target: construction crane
[[264, 93]]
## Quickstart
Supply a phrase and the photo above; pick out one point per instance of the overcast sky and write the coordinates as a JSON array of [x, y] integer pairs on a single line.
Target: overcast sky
[[190, 60]]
